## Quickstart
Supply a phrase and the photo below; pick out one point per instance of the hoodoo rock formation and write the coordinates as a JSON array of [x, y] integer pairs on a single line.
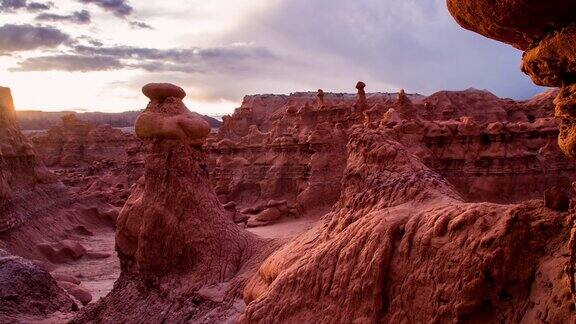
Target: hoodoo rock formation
[[546, 31], [320, 96], [175, 241], [361, 102]]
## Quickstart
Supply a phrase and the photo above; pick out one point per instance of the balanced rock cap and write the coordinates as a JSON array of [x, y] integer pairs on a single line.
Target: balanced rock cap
[[360, 85], [169, 119], [161, 91]]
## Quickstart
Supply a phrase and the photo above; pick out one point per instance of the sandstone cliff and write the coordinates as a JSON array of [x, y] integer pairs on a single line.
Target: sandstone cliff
[[492, 149], [425, 255]]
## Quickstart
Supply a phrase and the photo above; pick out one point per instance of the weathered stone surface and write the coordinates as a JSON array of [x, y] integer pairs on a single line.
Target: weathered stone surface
[[557, 199], [173, 236], [553, 62], [401, 245], [520, 23], [27, 290], [546, 30], [162, 91]]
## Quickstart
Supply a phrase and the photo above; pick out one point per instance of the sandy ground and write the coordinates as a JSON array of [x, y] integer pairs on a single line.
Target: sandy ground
[[285, 229], [97, 274]]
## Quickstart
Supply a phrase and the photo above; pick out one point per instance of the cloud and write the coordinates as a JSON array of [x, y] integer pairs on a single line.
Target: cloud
[[119, 8], [14, 38], [77, 17], [236, 57], [410, 44], [70, 63], [13, 5], [140, 24]]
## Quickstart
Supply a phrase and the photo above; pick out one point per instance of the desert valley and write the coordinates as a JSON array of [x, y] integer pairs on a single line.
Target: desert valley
[[309, 207]]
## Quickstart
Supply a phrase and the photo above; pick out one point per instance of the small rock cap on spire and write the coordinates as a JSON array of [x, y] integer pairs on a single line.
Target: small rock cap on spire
[[161, 91], [170, 119]]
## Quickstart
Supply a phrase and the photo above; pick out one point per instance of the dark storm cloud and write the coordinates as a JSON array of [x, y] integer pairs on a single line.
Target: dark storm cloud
[[77, 17], [119, 8], [70, 63], [14, 5], [14, 38], [140, 24]]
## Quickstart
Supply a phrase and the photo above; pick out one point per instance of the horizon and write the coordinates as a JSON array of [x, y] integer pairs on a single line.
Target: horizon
[[94, 55], [217, 114]]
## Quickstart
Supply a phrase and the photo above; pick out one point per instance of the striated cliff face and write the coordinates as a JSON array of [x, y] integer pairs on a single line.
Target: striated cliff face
[[290, 150], [498, 162], [491, 149]]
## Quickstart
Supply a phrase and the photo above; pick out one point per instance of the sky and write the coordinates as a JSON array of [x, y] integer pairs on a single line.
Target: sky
[[95, 55]]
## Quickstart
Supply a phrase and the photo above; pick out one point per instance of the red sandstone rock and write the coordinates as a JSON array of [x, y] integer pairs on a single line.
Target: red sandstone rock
[[162, 91], [361, 102], [557, 199], [401, 245], [320, 96], [63, 251], [169, 119], [173, 237], [79, 293], [304, 164], [65, 278], [547, 32], [27, 290], [520, 23]]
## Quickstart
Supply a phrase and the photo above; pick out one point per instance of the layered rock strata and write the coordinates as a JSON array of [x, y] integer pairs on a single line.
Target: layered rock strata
[[92, 160], [492, 149]]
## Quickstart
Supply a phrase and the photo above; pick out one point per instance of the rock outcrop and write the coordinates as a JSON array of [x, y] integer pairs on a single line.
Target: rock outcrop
[[75, 143], [20, 170], [546, 31], [40, 220], [27, 291], [402, 246], [173, 237], [94, 160]]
